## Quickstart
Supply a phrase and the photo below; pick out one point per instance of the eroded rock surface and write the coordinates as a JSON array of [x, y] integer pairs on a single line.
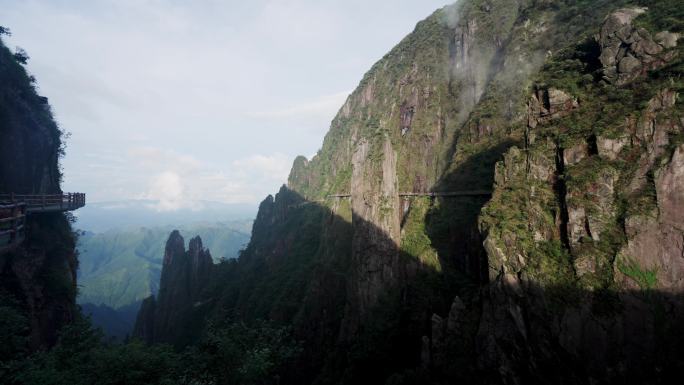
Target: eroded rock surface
[[547, 104], [603, 225], [184, 275], [628, 52]]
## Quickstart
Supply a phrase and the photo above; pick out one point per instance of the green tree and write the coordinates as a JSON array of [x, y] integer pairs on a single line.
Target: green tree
[[21, 55], [82, 358], [237, 353], [13, 335]]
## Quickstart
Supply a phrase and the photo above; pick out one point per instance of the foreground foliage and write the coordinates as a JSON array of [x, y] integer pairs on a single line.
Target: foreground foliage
[[230, 353]]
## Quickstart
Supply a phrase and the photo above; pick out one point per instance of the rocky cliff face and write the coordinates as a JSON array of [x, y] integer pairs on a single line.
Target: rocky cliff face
[[31, 140], [567, 272], [184, 275], [628, 52], [38, 279], [584, 232]]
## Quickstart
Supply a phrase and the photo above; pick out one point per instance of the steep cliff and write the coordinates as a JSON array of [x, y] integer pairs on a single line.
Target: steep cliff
[[584, 232], [550, 251], [38, 279]]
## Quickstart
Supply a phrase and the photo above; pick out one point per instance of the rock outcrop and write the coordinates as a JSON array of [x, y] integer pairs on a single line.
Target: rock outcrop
[[144, 322], [591, 280], [628, 52], [653, 257], [547, 104], [184, 276]]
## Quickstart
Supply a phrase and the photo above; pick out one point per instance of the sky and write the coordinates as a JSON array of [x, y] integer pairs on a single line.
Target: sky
[[179, 101]]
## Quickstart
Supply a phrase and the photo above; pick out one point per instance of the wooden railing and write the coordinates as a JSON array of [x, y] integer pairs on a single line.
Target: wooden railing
[[36, 203], [12, 222]]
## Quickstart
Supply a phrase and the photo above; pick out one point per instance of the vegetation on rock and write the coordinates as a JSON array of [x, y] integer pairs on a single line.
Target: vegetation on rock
[[566, 110]]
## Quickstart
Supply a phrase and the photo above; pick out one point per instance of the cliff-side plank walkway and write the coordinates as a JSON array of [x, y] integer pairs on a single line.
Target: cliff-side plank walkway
[[406, 195], [14, 208], [464, 193]]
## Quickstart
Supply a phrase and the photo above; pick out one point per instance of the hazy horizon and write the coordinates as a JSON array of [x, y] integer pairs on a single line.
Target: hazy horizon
[[99, 217]]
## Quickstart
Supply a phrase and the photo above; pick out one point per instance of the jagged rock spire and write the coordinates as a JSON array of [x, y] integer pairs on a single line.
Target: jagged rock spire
[[184, 274]]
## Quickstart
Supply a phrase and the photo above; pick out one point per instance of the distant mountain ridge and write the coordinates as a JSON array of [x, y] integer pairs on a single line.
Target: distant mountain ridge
[[121, 267], [107, 215]]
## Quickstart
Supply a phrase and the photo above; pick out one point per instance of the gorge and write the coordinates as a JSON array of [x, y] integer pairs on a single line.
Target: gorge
[[499, 201]]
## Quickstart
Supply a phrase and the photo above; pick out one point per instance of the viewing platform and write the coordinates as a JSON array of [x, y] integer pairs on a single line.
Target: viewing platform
[[14, 208]]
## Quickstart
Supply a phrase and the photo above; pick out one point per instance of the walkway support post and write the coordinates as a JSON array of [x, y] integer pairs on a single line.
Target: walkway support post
[[13, 234]]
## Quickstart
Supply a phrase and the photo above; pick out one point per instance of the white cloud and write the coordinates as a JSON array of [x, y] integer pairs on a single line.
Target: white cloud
[[182, 182], [168, 190]]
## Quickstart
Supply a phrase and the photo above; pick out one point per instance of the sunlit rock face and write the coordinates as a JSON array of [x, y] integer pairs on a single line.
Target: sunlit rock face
[[598, 262], [628, 52]]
